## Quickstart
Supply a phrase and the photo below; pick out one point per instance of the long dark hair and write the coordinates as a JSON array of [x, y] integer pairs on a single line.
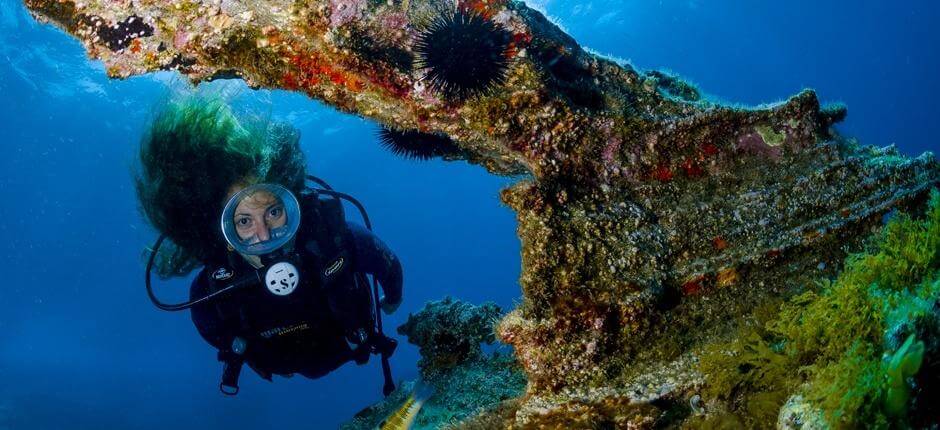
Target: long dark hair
[[195, 150]]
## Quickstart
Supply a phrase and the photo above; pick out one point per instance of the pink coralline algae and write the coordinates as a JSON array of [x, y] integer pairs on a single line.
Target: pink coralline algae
[[180, 39], [345, 11], [611, 150], [396, 20], [754, 144]]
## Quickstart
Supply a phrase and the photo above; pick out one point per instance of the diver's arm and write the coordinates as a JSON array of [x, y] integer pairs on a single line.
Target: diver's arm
[[375, 258]]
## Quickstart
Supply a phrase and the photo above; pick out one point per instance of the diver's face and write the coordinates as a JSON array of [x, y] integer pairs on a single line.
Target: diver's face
[[256, 215]]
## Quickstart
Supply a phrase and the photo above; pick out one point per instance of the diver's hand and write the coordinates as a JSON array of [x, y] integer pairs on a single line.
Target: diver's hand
[[387, 307]]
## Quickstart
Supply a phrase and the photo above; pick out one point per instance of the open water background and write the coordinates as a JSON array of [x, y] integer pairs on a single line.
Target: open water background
[[81, 347]]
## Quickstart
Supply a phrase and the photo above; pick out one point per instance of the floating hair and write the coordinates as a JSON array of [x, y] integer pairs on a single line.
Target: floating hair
[[195, 150]]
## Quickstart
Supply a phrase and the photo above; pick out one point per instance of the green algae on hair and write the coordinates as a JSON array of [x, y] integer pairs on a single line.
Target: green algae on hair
[[195, 150]]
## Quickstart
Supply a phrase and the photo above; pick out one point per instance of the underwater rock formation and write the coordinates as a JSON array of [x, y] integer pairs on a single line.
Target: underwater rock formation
[[449, 333], [466, 380], [653, 222]]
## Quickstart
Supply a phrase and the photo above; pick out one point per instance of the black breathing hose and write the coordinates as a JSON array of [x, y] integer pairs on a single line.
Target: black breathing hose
[[350, 199], [384, 352], [190, 303], [327, 190]]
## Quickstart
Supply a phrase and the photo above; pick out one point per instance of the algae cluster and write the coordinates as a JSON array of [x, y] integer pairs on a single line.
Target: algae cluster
[[860, 349]]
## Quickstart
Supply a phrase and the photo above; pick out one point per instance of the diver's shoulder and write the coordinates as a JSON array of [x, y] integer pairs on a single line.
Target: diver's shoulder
[[200, 285]]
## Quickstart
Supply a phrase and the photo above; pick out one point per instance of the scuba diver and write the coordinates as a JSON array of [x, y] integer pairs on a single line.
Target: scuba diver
[[285, 280]]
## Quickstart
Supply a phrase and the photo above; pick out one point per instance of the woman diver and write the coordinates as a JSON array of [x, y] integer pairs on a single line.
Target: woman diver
[[284, 285]]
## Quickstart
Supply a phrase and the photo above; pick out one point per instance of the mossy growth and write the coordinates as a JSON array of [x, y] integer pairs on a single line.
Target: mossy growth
[[240, 52], [851, 347], [672, 86], [770, 136]]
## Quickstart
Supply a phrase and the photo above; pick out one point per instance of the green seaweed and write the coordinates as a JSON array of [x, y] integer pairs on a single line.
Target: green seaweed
[[750, 374], [849, 390], [904, 364], [839, 344], [770, 136]]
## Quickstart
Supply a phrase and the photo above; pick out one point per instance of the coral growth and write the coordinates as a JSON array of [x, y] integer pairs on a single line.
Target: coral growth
[[345, 11], [449, 333], [466, 380]]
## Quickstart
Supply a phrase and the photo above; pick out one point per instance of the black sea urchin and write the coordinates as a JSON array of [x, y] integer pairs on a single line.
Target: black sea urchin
[[463, 54], [417, 145]]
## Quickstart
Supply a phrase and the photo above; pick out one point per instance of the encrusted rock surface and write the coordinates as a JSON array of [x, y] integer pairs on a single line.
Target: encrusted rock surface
[[797, 414], [652, 221], [466, 380], [449, 333]]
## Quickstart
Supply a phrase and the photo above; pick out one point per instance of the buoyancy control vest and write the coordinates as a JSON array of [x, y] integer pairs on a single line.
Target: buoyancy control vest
[[330, 318]]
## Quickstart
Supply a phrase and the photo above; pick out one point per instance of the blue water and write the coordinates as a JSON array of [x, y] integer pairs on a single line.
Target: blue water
[[82, 348]]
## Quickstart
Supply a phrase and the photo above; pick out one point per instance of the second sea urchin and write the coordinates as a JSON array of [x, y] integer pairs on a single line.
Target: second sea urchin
[[463, 54], [416, 145]]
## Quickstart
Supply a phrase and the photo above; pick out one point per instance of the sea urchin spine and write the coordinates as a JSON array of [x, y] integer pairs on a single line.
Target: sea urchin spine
[[417, 145], [463, 54]]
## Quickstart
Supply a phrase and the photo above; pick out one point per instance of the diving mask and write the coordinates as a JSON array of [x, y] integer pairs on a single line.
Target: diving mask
[[259, 222], [260, 219]]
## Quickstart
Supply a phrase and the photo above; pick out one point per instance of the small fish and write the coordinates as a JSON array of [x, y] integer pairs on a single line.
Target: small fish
[[404, 417]]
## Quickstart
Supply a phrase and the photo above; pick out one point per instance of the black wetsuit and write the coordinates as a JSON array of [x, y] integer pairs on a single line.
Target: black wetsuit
[[325, 322]]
